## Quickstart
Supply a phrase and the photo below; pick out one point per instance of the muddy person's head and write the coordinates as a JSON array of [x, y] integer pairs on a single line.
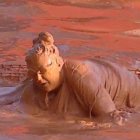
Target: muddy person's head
[[43, 69]]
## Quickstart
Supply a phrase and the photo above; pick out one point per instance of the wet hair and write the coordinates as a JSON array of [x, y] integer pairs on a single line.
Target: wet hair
[[46, 39], [44, 36], [42, 48]]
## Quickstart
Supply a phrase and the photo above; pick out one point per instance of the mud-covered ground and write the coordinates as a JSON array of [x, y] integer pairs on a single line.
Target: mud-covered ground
[[82, 29]]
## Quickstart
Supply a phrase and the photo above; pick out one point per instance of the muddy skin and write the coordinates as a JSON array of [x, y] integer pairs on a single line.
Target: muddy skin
[[77, 87]]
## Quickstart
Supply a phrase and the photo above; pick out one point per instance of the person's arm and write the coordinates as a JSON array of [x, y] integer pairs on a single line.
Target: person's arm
[[9, 95]]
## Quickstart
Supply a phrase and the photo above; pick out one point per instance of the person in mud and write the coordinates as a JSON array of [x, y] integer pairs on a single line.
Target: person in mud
[[77, 87], [80, 87]]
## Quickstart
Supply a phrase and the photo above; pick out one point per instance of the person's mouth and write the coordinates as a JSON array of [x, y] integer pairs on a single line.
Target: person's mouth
[[44, 84]]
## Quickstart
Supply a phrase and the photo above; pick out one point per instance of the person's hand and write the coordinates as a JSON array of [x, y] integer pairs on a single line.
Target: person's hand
[[119, 117]]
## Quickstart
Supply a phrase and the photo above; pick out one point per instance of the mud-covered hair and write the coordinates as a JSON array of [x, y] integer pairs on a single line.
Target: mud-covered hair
[[42, 48], [44, 36]]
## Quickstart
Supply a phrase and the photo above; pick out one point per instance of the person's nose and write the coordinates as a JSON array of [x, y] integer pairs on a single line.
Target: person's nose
[[39, 78]]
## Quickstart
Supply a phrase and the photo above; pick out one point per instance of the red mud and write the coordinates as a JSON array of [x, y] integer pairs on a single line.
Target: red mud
[[81, 28]]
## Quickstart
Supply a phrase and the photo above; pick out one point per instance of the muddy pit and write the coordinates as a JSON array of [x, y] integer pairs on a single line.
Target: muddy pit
[[107, 29]]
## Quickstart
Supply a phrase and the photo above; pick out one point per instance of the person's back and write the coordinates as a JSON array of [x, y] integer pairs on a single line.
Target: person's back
[[102, 86]]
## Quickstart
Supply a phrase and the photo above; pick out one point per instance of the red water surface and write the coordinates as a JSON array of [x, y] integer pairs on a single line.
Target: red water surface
[[78, 31], [81, 29]]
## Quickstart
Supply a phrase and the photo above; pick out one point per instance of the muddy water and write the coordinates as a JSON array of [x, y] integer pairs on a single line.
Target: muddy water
[[108, 29]]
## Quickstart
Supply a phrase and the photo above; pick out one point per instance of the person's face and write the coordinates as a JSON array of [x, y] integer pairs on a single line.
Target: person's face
[[46, 74]]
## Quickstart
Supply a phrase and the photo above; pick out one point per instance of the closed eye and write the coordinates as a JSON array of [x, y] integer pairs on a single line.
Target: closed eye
[[49, 62]]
